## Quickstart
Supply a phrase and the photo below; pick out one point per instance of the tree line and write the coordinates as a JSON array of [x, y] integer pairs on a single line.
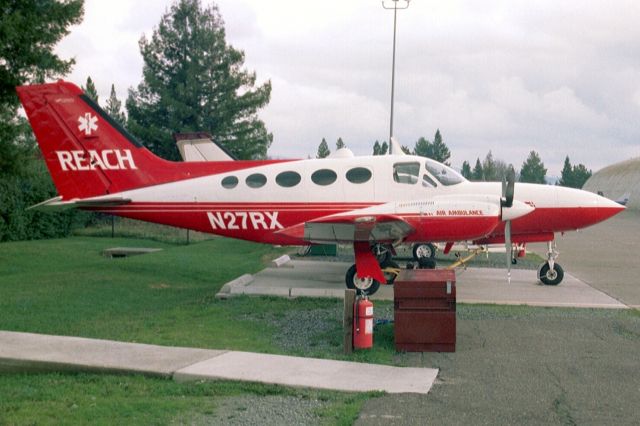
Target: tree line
[[193, 81], [490, 169]]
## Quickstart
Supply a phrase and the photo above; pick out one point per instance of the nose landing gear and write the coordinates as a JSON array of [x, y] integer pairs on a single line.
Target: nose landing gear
[[550, 272]]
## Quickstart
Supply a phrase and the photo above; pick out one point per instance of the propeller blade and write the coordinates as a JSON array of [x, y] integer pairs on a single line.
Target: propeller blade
[[508, 188], [508, 247]]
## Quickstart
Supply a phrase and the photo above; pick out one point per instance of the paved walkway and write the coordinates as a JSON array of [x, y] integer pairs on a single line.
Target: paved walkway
[[314, 278], [40, 352]]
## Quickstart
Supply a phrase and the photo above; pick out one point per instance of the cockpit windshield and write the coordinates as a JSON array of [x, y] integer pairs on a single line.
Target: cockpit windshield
[[444, 174]]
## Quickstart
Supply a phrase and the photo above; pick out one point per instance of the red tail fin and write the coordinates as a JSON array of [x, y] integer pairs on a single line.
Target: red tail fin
[[87, 152]]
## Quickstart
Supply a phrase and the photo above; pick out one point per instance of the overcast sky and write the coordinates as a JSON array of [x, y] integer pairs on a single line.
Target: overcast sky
[[560, 78]]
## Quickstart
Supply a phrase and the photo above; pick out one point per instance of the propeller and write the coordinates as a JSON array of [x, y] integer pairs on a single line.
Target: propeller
[[508, 188]]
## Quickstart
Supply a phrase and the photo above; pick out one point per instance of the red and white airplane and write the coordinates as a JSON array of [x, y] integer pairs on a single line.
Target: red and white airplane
[[372, 202]]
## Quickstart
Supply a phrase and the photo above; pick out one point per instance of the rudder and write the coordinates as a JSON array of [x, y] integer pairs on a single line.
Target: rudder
[[87, 153]]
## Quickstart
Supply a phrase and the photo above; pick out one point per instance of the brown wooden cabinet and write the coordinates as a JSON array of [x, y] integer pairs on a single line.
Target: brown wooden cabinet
[[425, 310]]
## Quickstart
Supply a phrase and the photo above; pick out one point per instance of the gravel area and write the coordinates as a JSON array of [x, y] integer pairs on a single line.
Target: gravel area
[[265, 410]]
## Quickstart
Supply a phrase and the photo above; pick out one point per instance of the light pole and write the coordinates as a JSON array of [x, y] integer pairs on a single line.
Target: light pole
[[396, 7]]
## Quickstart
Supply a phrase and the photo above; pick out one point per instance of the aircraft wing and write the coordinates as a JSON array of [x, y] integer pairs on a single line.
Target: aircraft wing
[[354, 226]]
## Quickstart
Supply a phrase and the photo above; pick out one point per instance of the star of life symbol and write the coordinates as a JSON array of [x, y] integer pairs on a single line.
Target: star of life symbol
[[88, 123]]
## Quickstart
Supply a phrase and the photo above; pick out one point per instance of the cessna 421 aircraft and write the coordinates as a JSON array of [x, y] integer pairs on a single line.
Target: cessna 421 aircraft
[[372, 202]]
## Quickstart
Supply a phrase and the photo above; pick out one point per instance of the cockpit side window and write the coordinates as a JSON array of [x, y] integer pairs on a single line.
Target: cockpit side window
[[427, 182], [406, 172], [443, 174]]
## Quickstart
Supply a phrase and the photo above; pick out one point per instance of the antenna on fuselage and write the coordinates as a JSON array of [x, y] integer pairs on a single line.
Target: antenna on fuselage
[[395, 148]]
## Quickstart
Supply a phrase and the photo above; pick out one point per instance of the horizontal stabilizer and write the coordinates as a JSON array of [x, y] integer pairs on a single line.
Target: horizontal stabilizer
[[56, 203]]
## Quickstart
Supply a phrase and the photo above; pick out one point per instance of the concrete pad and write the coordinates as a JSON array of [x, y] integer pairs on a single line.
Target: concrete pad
[[311, 372], [21, 352], [474, 285], [486, 285], [39, 352]]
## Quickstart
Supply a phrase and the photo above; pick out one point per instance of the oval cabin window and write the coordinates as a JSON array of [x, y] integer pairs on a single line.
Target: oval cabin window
[[324, 177], [288, 179], [358, 175], [230, 182], [256, 180]]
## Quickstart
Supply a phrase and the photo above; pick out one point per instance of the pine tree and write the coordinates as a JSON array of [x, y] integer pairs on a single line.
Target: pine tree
[[384, 148], [405, 149], [478, 173], [580, 175], [533, 170], [376, 148], [323, 149], [440, 151], [113, 107], [340, 144], [422, 148], [489, 168], [194, 81], [566, 177], [90, 90], [29, 30], [466, 170]]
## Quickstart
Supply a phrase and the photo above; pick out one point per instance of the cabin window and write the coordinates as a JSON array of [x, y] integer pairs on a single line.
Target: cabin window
[[324, 177], [256, 180], [443, 174], [358, 175], [230, 182], [288, 179], [406, 172], [427, 182]]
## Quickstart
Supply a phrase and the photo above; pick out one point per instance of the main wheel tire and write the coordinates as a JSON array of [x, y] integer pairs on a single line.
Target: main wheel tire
[[384, 255], [366, 286], [424, 250], [390, 276], [550, 277]]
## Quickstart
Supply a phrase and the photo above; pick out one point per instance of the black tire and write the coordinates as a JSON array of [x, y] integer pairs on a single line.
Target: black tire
[[549, 277], [390, 276], [360, 286], [383, 257], [426, 263], [424, 250]]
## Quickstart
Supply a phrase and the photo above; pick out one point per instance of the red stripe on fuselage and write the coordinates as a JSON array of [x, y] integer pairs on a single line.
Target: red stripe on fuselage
[[255, 221]]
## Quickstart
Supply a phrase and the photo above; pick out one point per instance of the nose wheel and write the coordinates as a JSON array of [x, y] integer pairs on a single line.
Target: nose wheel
[[550, 272]]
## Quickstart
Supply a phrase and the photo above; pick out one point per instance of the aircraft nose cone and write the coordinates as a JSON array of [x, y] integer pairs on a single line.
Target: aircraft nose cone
[[598, 208]]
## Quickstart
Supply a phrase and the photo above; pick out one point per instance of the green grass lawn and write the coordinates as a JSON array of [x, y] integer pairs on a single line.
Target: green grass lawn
[[67, 287]]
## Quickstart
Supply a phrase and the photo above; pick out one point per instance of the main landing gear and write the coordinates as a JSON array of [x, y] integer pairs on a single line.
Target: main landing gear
[[368, 286], [550, 272]]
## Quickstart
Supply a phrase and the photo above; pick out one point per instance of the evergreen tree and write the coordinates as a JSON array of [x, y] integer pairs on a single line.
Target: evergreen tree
[[423, 148], [533, 170], [376, 148], [566, 176], [405, 149], [477, 174], [340, 144], [580, 175], [194, 81], [323, 149], [90, 90], [29, 31], [466, 170], [489, 168], [114, 107], [440, 151], [384, 148]]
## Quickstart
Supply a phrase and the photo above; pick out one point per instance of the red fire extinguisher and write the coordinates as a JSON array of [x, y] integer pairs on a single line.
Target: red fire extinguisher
[[363, 324]]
